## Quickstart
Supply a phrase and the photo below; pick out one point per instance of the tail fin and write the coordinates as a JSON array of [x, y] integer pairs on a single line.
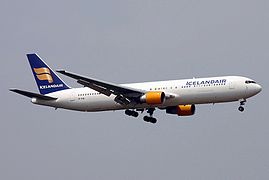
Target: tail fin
[[46, 79]]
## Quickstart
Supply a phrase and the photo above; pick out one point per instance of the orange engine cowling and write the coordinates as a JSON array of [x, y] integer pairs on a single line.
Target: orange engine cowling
[[153, 97], [181, 110]]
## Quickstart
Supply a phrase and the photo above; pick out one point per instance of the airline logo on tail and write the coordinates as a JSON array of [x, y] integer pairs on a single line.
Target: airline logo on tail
[[43, 74]]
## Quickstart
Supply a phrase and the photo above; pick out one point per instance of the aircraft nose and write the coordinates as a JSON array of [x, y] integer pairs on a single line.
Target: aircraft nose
[[253, 89], [258, 88]]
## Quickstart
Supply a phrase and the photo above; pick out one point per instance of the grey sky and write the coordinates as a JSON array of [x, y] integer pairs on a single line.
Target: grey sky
[[132, 41]]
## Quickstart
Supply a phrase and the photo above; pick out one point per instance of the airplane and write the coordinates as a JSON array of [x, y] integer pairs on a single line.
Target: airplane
[[178, 97]]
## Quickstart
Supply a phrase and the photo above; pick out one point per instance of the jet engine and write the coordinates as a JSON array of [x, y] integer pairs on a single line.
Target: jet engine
[[153, 97], [181, 110]]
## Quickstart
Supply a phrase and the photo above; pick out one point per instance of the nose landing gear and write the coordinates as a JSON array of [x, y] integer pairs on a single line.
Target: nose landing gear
[[241, 108], [242, 103]]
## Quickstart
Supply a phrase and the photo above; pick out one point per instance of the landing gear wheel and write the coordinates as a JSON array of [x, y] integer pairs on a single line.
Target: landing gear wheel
[[135, 114], [153, 120], [150, 119], [131, 113], [146, 118], [241, 108]]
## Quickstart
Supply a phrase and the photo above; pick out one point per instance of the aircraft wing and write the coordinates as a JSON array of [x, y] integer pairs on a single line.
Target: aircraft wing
[[32, 95], [124, 95]]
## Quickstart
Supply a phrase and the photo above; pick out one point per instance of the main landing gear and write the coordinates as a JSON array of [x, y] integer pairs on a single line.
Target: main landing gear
[[146, 118], [150, 118], [242, 103], [131, 113]]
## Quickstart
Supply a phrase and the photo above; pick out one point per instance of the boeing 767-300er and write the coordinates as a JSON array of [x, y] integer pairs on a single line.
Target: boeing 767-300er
[[177, 97]]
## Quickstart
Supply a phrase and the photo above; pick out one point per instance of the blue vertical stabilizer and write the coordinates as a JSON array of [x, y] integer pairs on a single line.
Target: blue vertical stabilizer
[[46, 79]]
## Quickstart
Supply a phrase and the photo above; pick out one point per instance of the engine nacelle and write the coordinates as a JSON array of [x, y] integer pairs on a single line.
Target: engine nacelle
[[153, 97], [181, 110]]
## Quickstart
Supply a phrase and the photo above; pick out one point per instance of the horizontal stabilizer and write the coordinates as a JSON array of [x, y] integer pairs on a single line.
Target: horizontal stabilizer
[[32, 95]]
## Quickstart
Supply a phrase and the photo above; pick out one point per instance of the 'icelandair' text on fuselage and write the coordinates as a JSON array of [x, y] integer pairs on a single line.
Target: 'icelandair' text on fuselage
[[51, 86], [205, 82]]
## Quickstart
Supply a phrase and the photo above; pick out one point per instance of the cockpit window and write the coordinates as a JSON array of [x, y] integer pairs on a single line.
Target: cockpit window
[[249, 82]]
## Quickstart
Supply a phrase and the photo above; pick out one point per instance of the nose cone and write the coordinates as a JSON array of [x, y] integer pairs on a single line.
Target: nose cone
[[253, 89], [258, 88]]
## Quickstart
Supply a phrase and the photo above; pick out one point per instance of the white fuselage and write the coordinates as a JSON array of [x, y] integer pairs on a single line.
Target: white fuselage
[[187, 91]]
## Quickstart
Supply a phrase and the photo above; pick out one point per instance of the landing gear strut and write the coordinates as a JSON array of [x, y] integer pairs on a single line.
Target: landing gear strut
[[150, 118], [242, 103]]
